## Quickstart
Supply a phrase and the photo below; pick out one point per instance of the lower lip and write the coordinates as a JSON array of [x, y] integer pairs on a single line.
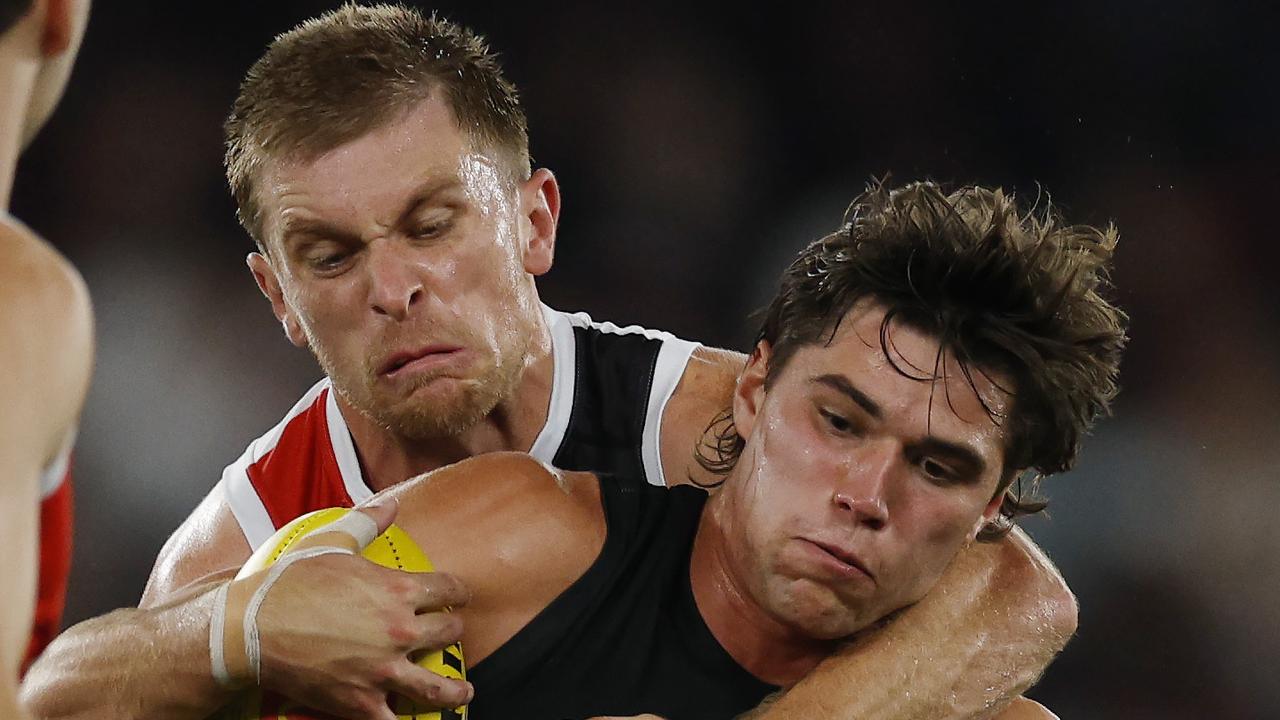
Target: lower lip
[[830, 564], [430, 362]]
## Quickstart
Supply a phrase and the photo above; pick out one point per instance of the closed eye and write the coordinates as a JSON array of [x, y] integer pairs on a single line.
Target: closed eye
[[428, 232], [836, 422], [326, 257]]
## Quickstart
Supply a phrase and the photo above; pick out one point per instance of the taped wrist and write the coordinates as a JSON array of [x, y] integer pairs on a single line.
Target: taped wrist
[[234, 643]]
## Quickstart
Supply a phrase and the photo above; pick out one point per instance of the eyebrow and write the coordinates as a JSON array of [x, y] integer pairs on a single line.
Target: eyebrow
[[841, 384], [930, 445], [293, 229], [425, 193], [319, 228]]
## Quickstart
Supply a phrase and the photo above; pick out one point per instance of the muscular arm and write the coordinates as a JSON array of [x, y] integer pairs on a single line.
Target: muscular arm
[[150, 661], [516, 533], [333, 630], [46, 352], [982, 636]]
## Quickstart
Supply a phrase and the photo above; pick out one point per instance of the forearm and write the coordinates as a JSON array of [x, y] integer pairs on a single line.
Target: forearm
[[983, 635], [129, 664]]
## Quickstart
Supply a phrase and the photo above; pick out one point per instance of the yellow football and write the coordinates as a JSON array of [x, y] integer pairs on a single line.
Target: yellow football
[[393, 549]]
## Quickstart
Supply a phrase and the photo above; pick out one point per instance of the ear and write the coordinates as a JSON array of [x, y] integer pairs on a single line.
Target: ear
[[540, 205], [59, 27], [749, 393], [989, 513], [264, 273]]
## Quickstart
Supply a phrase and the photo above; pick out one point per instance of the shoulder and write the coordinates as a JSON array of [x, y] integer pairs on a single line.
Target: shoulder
[[46, 338], [514, 531], [1026, 709], [709, 378], [39, 284], [496, 488], [209, 542], [705, 390]]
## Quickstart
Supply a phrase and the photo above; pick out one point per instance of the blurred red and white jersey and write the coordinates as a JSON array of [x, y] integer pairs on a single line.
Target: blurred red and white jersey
[[55, 553]]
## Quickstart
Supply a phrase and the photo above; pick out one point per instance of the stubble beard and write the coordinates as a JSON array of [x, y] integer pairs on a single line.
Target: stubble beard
[[447, 415], [415, 419]]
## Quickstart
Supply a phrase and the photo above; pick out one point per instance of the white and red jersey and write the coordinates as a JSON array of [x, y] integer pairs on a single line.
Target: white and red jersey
[[609, 389], [55, 553]]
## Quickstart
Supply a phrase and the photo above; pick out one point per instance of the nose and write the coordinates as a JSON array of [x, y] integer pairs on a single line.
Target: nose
[[395, 284], [861, 492]]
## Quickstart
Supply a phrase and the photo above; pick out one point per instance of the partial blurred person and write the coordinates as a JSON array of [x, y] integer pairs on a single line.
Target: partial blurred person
[[380, 162], [46, 347]]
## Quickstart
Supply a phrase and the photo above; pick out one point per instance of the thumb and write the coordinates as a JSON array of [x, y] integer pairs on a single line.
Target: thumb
[[382, 511]]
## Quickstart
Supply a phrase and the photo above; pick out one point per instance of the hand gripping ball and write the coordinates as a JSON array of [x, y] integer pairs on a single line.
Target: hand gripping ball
[[393, 549]]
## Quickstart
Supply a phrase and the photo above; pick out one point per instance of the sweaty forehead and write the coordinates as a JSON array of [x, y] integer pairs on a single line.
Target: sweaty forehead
[[915, 380], [422, 140], [374, 177]]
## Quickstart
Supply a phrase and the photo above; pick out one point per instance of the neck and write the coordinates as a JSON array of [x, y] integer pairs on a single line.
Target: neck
[[761, 643], [387, 458], [17, 80]]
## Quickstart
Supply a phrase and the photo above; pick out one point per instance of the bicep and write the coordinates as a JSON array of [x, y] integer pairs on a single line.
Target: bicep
[[208, 543]]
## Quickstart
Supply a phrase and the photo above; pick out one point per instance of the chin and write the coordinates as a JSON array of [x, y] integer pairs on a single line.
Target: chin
[[815, 611]]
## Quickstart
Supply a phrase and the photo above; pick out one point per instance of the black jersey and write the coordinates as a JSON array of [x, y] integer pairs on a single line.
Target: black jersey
[[626, 638], [615, 383], [609, 388]]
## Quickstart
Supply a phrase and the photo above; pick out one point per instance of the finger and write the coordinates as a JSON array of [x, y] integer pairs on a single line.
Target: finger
[[432, 631], [352, 532], [427, 689], [437, 591], [382, 511]]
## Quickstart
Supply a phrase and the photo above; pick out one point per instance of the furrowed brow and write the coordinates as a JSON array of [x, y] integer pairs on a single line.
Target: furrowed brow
[[955, 452], [294, 231], [425, 194], [841, 384]]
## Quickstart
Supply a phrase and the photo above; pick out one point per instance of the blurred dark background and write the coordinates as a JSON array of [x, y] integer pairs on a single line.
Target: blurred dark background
[[697, 149]]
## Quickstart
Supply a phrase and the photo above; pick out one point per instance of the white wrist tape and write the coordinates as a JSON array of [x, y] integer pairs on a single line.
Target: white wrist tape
[[217, 624], [358, 526], [252, 649]]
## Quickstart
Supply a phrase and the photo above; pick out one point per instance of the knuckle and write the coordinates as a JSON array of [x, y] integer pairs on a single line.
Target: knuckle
[[388, 673], [438, 630], [444, 589], [402, 586], [403, 634]]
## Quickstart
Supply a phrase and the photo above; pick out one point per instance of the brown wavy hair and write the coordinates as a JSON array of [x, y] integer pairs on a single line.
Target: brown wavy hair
[[346, 73], [1004, 290]]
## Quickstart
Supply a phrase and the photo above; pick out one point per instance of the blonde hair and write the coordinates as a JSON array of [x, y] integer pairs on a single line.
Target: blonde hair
[[339, 76]]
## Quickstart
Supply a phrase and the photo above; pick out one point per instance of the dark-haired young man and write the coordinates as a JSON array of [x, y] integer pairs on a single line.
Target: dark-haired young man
[[46, 347], [911, 366], [380, 162]]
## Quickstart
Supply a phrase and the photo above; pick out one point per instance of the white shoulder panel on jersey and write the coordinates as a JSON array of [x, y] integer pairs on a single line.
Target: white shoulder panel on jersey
[[52, 476], [239, 492], [344, 450], [564, 361], [672, 359]]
